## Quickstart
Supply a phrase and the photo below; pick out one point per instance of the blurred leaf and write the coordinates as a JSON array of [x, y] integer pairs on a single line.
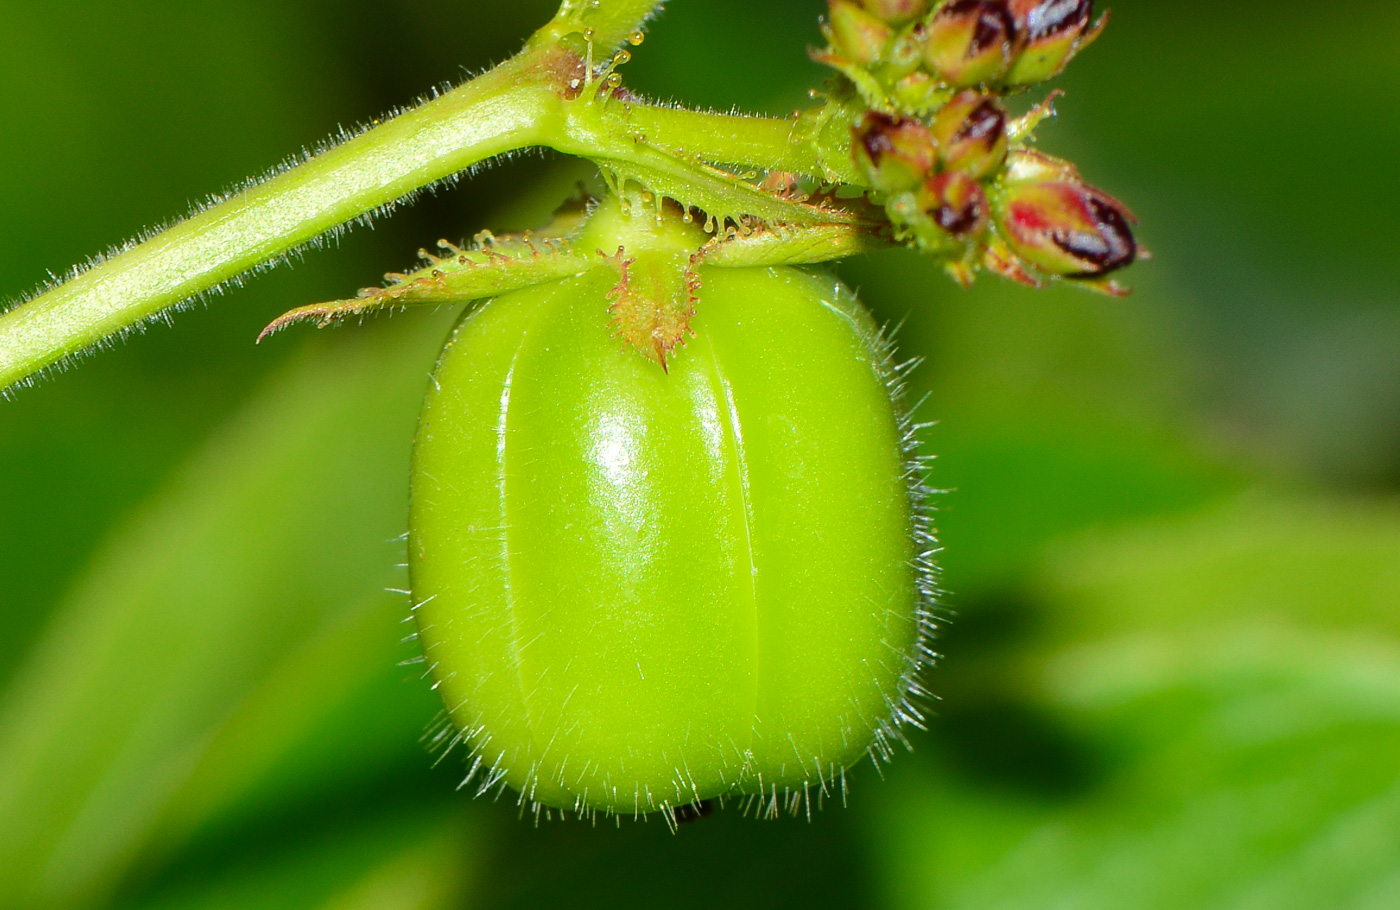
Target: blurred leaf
[[1194, 713], [120, 116], [1256, 558], [728, 53], [411, 861], [1240, 134], [336, 710], [1055, 411], [726, 860], [1212, 98], [220, 624], [1244, 730]]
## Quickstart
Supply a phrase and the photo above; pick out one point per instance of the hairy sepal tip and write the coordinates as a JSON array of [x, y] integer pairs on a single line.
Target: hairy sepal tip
[[653, 301]]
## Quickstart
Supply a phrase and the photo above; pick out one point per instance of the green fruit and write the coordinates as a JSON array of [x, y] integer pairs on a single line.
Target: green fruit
[[639, 589]]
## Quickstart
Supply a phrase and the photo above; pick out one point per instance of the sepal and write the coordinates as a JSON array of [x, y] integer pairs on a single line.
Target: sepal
[[653, 301]]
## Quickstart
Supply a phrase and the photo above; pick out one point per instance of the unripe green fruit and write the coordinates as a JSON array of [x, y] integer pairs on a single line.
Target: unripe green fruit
[[641, 589]]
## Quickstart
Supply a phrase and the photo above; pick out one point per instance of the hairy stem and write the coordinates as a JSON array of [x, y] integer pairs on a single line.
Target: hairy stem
[[800, 144], [500, 111], [675, 165], [546, 96], [608, 22]]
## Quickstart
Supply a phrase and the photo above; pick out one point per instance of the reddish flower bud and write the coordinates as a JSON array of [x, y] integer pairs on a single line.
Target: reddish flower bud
[[1067, 228], [894, 154], [971, 134], [856, 33], [955, 202], [896, 11], [969, 42], [1053, 31]]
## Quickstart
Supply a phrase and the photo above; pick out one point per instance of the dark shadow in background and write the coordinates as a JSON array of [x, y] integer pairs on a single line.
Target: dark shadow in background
[[725, 860]]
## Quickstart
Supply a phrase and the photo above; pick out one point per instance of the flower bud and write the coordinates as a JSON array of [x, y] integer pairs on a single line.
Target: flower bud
[[894, 154], [856, 33], [918, 92], [968, 42], [955, 202], [971, 134], [904, 56], [1067, 228], [896, 12], [1053, 31]]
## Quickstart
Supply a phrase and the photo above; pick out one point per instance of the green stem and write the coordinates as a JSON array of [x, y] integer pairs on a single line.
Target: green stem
[[496, 113], [609, 22], [544, 97], [674, 164], [798, 144]]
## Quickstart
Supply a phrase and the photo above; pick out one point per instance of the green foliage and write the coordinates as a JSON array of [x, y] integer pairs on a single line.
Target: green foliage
[[1170, 531], [1221, 693], [201, 669]]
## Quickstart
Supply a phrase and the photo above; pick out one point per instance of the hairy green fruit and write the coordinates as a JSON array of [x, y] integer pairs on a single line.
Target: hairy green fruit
[[638, 589]]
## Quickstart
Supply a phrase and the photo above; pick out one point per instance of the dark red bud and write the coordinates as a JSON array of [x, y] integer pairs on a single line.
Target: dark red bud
[[894, 154], [856, 33], [1053, 31], [1042, 18], [896, 12], [1067, 228], [971, 134], [955, 202], [969, 42]]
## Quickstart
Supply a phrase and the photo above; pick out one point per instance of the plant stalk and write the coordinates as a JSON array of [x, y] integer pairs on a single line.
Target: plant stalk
[[545, 96]]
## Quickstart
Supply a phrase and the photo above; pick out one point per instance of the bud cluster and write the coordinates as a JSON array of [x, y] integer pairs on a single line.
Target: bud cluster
[[934, 143], [910, 54]]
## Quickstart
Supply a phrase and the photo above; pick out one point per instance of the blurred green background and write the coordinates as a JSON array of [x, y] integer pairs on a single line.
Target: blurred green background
[[1172, 529]]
